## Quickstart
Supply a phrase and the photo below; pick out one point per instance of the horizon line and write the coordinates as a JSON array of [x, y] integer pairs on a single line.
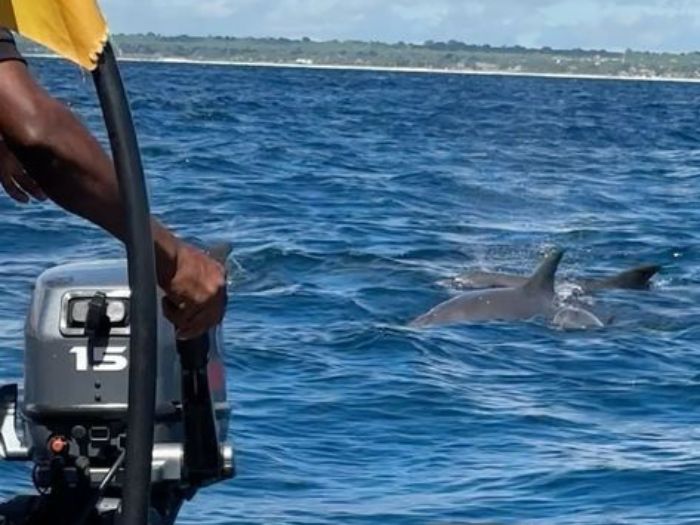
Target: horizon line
[[389, 69]]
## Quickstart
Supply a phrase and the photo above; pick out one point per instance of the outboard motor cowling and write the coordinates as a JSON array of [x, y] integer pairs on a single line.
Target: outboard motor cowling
[[71, 419]]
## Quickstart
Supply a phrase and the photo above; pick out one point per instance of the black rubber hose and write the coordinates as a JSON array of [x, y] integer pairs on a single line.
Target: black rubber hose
[[142, 280]]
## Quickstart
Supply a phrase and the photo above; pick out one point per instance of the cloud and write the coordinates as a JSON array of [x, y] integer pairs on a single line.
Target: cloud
[[640, 24], [431, 14], [215, 8]]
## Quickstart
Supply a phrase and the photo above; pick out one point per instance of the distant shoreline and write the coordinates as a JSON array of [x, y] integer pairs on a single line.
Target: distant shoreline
[[390, 69]]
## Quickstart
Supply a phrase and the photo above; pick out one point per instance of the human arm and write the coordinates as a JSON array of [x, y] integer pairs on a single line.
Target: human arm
[[54, 148]]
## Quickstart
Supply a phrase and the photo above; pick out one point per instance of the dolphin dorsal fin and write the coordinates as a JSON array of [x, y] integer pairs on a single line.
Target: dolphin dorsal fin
[[220, 251], [634, 279], [543, 278]]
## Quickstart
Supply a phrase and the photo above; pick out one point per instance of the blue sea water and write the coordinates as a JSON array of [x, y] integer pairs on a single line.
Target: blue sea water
[[347, 196]]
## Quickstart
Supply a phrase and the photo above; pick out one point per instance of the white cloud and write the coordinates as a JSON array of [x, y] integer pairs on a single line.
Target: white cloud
[[215, 8], [431, 14]]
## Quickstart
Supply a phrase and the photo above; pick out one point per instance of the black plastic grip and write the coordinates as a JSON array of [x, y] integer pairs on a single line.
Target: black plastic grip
[[203, 460]]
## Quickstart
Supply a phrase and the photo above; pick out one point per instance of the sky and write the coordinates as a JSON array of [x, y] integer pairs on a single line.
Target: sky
[[654, 25]]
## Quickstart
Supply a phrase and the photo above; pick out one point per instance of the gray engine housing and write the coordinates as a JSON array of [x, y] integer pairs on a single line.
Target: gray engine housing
[[76, 386]]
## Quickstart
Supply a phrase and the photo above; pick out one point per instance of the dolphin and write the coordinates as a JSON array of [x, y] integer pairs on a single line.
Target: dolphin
[[634, 279], [219, 251], [532, 298]]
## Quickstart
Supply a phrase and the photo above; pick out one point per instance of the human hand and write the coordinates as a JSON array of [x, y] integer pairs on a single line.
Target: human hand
[[16, 182], [195, 297]]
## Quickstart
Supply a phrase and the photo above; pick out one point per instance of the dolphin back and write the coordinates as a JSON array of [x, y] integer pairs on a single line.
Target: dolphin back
[[478, 279], [501, 304], [634, 279], [543, 278]]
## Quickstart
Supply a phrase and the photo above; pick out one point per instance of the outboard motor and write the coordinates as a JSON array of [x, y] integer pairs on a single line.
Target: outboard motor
[[70, 418]]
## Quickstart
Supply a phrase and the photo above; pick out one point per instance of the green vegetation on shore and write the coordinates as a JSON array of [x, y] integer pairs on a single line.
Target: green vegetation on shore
[[450, 55]]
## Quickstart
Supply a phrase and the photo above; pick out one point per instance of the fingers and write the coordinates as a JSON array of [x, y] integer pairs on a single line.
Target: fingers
[[18, 183], [197, 325], [174, 313], [11, 188], [15, 180], [192, 321], [29, 185], [196, 294]]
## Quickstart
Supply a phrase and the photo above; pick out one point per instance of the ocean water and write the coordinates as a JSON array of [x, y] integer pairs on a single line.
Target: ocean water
[[347, 196]]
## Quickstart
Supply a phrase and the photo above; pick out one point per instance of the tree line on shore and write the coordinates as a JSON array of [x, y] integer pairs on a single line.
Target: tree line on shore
[[450, 55]]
